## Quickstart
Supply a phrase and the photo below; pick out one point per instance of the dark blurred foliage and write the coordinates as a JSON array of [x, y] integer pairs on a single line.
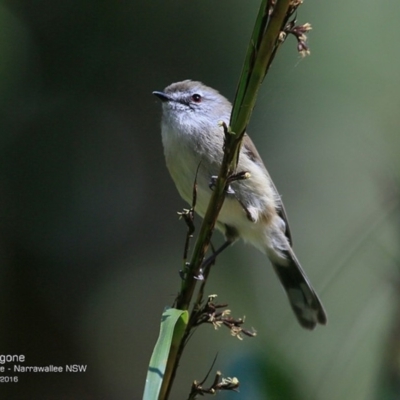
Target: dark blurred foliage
[[90, 243]]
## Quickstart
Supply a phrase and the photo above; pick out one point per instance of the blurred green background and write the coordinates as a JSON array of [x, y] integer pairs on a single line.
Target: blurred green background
[[90, 242]]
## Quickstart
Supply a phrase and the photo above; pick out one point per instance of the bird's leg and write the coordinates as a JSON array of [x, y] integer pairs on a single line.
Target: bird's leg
[[210, 260], [239, 176], [213, 181], [235, 177]]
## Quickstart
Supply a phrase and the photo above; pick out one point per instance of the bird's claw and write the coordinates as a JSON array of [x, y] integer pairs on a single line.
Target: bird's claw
[[213, 182]]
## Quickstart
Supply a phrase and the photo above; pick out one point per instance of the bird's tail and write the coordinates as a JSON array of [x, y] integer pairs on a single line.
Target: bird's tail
[[303, 299]]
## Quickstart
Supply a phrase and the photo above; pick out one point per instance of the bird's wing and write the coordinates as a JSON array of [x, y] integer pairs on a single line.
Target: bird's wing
[[250, 149]]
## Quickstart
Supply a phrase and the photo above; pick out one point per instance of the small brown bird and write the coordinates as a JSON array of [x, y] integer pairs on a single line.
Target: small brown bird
[[253, 210]]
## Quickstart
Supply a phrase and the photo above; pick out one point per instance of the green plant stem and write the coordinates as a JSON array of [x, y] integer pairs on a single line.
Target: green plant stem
[[261, 51], [263, 56], [252, 75]]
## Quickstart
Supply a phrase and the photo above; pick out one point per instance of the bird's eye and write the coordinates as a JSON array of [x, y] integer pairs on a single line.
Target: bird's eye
[[196, 98]]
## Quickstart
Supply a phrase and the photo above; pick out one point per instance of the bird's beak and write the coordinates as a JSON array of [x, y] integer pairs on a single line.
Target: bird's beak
[[162, 96]]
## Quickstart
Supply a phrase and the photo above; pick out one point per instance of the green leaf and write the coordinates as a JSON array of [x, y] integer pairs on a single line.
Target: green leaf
[[172, 329]]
